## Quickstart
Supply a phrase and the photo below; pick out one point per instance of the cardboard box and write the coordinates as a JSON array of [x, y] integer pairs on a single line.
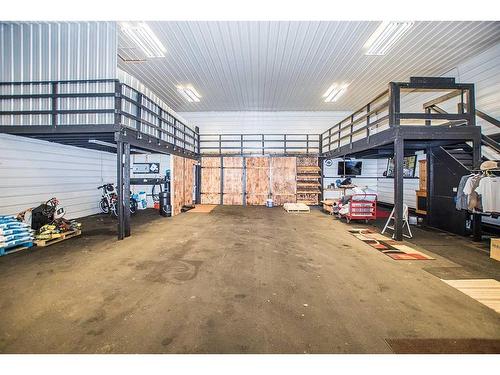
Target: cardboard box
[[495, 248]]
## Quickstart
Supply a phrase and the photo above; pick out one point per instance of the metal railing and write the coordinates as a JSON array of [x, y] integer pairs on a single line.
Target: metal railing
[[260, 144], [384, 111], [100, 102]]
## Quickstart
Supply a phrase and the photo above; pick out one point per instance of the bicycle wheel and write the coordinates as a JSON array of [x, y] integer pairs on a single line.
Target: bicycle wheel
[[104, 206], [133, 206]]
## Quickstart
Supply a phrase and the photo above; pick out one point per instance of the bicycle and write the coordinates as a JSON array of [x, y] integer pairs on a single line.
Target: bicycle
[[109, 199]]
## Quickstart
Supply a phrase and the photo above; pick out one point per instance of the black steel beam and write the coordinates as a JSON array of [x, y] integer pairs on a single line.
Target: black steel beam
[[487, 118], [119, 190], [126, 189], [61, 129], [398, 187]]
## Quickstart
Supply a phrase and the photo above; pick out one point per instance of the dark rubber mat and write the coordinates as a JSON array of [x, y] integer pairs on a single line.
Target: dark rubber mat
[[454, 273], [444, 346]]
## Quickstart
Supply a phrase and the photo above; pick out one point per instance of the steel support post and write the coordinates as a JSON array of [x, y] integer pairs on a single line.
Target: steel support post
[[197, 172], [119, 189], [398, 187], [394, 104], [476, 162], [126, 189]]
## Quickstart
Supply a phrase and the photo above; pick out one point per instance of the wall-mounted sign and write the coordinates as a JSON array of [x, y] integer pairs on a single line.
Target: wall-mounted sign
[[146, 168]]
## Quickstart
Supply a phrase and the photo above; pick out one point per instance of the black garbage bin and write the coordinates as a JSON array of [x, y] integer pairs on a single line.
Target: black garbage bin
[[165, 208]]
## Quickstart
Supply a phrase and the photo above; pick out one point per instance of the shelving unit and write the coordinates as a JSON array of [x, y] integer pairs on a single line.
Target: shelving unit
[[308, 180]]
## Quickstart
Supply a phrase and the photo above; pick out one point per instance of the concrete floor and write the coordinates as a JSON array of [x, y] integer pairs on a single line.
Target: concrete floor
[[237, 280]]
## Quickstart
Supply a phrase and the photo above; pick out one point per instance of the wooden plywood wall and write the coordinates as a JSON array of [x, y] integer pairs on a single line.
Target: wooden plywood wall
[[257, 180], [210, 180], [283, 180], [233, 180], [183, 182]]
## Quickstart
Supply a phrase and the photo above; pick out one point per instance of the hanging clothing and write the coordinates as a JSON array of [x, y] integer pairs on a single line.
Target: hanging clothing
[[461, 202], [474, 201], [489, 189]]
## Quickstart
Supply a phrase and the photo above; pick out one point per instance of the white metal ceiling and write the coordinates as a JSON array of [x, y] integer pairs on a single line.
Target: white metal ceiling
[[283, 66]]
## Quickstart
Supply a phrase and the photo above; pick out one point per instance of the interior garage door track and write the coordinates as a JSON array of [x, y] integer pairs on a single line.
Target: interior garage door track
[[236, 280]]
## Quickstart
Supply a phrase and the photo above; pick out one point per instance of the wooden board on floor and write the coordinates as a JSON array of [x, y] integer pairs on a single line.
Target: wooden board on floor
[[485, 291], [296, 208], [203, 208]]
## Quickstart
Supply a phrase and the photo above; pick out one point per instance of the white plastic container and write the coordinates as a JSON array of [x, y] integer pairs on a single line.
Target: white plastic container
[[142, 201], [269, 203]]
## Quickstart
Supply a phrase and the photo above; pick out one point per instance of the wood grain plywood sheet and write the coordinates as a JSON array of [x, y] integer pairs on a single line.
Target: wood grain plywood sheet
[[189, 181], [257, 162], [210, 162], [210, 198], [210, 180], [233, 185], [280, 200], [257, 182], [232, 162], [283, 176], [177, 184]]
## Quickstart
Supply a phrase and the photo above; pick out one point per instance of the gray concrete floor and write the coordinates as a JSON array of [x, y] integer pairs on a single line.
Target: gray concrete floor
[[237, 280]]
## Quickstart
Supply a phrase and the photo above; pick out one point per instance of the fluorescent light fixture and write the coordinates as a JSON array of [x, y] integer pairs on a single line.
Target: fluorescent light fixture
[[335, 91], [142, 35], [189, 93], [386, 35]]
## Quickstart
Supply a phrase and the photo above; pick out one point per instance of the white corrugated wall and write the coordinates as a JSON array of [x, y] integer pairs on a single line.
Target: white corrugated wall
[[42, 51], [33, 171], [281, 122]]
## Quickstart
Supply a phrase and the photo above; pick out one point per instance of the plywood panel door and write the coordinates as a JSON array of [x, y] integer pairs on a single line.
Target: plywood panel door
[[177, 184], [189, 181], [257, 180], [283, 172], [233, 180], [182, 183], [210, 180]]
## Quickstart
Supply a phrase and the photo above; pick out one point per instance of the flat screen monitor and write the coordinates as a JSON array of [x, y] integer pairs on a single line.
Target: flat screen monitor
[[409, 164], [349, 168]]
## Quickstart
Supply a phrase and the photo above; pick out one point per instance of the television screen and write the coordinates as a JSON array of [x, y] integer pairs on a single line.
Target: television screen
[[409, 163], [349, 168]]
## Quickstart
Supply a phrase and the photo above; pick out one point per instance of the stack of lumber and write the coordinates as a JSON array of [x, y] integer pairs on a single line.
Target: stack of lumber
[[14, 235], [308, 180]]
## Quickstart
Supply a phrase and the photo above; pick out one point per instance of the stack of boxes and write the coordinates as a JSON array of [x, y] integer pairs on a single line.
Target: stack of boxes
[[14, 234]]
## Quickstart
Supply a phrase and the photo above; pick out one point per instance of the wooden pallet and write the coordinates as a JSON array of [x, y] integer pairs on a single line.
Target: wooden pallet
[[64, 236], [296, 207]]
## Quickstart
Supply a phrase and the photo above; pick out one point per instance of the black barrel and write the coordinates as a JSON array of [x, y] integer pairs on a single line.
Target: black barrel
[[165, 208]]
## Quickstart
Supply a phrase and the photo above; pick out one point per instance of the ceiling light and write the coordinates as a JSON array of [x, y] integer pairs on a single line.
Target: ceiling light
[[189, 93], [142, 35], [386, 35], [335, 91]]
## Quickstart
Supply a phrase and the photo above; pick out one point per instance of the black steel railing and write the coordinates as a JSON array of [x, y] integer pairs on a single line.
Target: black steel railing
[[260, 144], [385, 112], [99, 102]]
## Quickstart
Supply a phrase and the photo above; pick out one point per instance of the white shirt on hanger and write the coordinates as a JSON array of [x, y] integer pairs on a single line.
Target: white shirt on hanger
[[489, 189]]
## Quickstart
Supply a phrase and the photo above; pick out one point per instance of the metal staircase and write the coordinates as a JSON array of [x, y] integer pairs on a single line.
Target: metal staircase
[[490, 146]]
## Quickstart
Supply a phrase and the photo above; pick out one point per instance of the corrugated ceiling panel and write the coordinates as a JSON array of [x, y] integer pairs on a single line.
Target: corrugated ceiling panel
[[286, 66]]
